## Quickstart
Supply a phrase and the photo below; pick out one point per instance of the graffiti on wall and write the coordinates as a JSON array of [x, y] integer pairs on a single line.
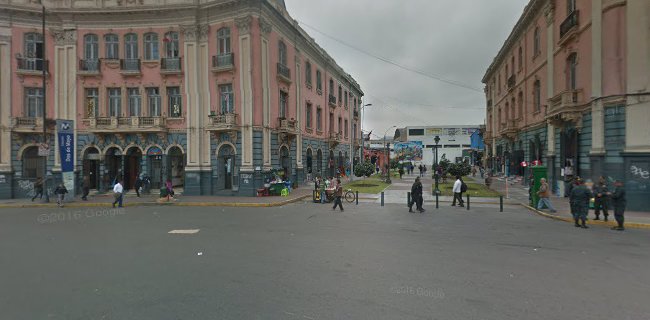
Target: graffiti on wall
[[638, 172]]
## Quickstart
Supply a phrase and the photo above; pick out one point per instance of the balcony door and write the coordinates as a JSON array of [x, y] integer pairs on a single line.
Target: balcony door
[[226, 163], [33, 51]]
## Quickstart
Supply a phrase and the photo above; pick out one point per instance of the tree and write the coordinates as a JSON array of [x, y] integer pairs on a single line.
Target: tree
[[460, 169], [365, 168]]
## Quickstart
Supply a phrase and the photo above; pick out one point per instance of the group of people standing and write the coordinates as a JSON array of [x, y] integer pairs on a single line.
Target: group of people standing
[[322, 185], [580, 198]]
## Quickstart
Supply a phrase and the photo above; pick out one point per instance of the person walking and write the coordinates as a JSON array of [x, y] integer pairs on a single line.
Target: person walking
[[118, 193], [170, 189], [420, 170], [601, 198], [416, 196], [138, 185], [401, 172], [85, 186], [60, 192], [579, 199], [424, 170], [619, 202], [323, 186], [458, 192], [38, 189], [544, 194], [339, 194]]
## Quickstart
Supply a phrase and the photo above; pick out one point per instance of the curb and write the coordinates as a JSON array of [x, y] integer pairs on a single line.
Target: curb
[[151, 204], [634, 225]]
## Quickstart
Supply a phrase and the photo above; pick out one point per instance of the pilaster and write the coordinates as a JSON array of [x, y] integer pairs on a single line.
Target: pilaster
[[265, 29], [246, 91], [193, 102], [298, 111], [637, 112], [5, 101], [549, 12], [64, 80]]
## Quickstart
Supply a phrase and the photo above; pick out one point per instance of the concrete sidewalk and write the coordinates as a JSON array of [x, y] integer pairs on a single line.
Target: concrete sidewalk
[[519, 193], [131, 200]]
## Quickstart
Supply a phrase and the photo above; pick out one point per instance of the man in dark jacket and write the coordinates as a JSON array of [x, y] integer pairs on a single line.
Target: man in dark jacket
[[416, 196], [600, 195], [579, 199], [619, 202]]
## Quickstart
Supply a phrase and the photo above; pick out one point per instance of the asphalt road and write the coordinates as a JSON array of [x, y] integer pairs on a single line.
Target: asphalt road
[[304, 261]]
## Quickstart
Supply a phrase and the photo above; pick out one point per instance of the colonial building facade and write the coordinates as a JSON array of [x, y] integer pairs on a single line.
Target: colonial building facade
[[570, 88], [216, 95]]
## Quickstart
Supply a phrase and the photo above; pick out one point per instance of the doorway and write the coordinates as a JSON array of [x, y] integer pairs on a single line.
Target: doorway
[[131, 167], [113, 160], [91, 167], [309, 164], [285, 162], [319, 162], [176, 169], [155, 156], [226, 163]]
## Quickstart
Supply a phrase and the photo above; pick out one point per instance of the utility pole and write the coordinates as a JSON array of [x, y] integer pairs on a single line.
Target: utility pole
[[44, 67]]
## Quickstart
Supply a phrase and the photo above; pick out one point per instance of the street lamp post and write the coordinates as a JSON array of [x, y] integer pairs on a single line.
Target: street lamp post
[[435, 151], [387, 154]]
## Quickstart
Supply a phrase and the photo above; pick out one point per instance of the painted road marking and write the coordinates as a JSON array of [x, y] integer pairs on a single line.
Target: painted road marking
[[187, 231]]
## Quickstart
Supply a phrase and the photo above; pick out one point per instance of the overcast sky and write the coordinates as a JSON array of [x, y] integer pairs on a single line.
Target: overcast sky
[[452, 39]]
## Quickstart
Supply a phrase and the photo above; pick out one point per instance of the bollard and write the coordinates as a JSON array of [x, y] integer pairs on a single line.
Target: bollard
[[382, 198], [357, 198], [468, 202], [437, 201], [408, 198], [500, 203]]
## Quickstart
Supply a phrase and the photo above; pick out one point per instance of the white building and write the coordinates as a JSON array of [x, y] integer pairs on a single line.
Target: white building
[[453, 140]]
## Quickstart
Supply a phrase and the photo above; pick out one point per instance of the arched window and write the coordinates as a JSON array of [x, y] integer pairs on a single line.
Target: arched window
[[308, 73], [537, 95], [112, 43], [223, 41], [131, 46], [172, 48], [151, 51], [319, 81], [340, 94], [571, 72], [521, 58], [32, 163], [331, 86], [282, 53], [537, 48]]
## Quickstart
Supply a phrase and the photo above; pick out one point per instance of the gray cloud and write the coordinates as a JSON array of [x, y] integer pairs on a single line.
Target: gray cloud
[[453, 39]]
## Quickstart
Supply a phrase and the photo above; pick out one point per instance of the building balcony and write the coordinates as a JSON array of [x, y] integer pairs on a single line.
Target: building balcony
[[32, 66], [89, 67], [28, 124], [332, 100], [509, 129], [170, 66], [223, 62], [569, 23], [565, 106], [334, 139], [287, 126], [222, 122], [512, 81], [130, 66], [284, 73], [126, 124]]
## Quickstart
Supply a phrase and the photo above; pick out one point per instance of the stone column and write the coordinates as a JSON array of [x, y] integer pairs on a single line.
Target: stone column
[[6, 175], [265, 29]]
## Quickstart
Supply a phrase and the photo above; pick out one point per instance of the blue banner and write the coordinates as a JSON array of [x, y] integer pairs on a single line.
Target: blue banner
[[65, 130]]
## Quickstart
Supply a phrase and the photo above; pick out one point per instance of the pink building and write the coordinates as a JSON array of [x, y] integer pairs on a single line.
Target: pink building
[[217, 101], [569, 87]]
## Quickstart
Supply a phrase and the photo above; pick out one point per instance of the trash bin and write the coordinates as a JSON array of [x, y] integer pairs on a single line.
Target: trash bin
[[539, 172]]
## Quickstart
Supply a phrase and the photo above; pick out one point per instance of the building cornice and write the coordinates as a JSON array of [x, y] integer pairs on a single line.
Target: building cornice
[[531, 11]]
